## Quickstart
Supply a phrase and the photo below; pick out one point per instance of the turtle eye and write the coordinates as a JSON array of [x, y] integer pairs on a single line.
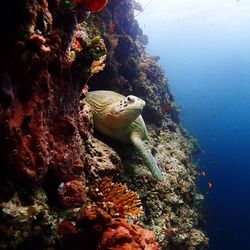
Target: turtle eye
[[131, 98]]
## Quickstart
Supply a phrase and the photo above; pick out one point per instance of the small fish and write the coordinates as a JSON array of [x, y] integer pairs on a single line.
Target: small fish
[[112, 27], [210, 184], [202, 173]]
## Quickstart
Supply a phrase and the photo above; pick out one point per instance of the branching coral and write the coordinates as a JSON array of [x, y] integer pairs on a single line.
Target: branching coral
[[116, 199]]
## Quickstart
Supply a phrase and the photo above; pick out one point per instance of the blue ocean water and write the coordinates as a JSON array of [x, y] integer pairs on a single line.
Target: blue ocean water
[[208, 67]]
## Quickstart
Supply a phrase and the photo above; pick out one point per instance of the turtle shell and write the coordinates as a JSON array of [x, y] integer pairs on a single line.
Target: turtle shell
[[103, 98]]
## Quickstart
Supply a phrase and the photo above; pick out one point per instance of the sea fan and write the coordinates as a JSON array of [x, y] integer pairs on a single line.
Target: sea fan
[[116, 199]]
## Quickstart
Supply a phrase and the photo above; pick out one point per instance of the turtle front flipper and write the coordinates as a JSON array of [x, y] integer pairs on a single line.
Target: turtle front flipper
[[146, 156]]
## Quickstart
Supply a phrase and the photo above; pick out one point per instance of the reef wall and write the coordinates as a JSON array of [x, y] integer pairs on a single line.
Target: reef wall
[[58, 182]]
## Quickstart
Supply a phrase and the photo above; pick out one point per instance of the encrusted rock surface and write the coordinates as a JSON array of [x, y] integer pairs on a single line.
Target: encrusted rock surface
[[95, 229], [51, 53]]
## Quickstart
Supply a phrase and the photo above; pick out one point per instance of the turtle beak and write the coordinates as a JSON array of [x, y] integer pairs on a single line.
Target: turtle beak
[[143, 103]]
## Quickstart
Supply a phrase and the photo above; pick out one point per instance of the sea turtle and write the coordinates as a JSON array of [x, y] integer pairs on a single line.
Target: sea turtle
[[119, 117]]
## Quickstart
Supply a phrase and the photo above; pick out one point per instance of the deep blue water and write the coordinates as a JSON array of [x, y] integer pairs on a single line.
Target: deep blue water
[[208, 67]]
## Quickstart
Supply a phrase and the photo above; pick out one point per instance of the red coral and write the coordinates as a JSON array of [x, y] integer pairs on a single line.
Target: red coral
[[66, 158], [66, 227], [99, 231], [92, 5], [121, 235], [39, 120], [23, 143], [72, 194]]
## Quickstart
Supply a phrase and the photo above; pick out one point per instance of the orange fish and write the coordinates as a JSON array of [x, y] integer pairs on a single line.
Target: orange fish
[[202, 173], [210, 184]]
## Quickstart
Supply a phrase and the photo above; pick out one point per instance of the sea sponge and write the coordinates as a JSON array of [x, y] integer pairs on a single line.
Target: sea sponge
[[116, 199], [72, 194], [124, 236], [94, 228]]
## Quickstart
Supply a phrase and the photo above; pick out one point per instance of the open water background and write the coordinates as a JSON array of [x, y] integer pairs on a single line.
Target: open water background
[[208, 66]]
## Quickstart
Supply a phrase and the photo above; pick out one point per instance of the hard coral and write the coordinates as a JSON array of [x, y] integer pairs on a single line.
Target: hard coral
[[116, 199], [27, 221], [92, 5]]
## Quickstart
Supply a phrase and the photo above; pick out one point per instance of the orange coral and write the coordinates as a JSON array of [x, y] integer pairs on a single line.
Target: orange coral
[[116, 199]]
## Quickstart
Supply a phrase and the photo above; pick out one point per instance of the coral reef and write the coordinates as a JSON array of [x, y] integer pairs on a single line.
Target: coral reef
[[27, 221], [51, 161]]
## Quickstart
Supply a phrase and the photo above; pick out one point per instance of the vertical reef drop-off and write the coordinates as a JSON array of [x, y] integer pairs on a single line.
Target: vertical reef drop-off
[[62, 186]]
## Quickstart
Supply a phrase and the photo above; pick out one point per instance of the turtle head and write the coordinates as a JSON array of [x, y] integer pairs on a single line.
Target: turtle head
[[126, 110]]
